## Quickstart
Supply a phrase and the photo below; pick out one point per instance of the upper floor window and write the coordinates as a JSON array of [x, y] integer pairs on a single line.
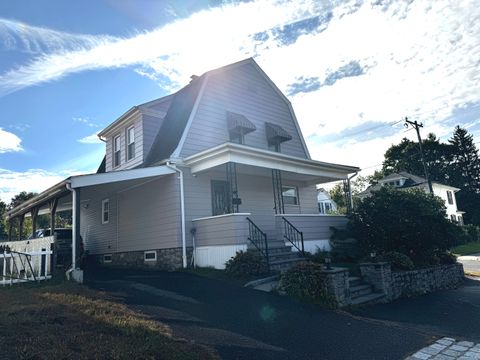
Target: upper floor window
[[116, 151], [238, 127], [275, 136], [450, 197], [130, 143], [105, 211], [290, 195]]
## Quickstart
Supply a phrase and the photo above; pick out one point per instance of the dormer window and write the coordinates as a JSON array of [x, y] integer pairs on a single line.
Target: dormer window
[[116, 151], [238, 127], [130, 143], [275, 136]]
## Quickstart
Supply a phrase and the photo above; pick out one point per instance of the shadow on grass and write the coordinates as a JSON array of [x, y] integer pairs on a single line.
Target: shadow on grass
[[68, 321]]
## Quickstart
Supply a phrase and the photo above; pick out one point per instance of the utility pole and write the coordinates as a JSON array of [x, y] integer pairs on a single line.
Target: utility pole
[[417, 127]]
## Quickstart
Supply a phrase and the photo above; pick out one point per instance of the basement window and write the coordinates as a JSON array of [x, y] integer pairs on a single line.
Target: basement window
[[107, 258], [150, 256]]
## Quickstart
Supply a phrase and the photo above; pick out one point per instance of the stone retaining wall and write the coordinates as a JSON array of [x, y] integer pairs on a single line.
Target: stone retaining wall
[[397, 284], [167, 259]]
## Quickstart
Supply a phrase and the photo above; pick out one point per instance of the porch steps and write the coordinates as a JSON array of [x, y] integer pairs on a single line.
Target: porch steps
[[362, 293]]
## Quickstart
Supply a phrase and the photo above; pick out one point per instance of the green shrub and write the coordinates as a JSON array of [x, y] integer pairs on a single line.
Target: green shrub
[[398, 261], [410, 222], [318, 257], [305, 281], [246, 264], [443, 258]]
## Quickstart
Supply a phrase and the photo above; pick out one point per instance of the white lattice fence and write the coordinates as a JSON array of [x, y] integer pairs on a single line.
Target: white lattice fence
[[20, 267]]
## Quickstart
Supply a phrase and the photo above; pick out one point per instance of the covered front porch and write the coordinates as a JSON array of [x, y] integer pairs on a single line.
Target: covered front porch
[[259, 199]]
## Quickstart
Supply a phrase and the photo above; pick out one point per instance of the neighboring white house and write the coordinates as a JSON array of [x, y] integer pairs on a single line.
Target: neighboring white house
[[404, 180], [325, 203], [217, 167]]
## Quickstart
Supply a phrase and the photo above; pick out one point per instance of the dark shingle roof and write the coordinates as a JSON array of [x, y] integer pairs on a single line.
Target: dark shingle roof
[[174, 123]]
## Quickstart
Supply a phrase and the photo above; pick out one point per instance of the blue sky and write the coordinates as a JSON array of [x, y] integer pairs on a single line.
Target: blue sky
[[352, 69]]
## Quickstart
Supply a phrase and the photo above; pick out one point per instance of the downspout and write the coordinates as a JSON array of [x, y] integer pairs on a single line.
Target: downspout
[[74, 225], [182, 210], [350, 198]]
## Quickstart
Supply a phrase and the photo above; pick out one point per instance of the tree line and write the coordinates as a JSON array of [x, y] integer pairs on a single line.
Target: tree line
[[455, 163]]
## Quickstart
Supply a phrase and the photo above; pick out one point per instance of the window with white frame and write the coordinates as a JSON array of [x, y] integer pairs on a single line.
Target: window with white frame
[[290, 195], [450, 197], [116, 151], [105, 211], [107, 258], [150, 256], [130, 143]]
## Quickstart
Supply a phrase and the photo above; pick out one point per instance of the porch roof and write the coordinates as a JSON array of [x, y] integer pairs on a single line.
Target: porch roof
[[60, 190], [246, 155]]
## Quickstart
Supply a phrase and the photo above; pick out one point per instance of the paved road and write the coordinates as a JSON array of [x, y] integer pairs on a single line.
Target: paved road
[[453, 313], [470, 263], [247, 324]]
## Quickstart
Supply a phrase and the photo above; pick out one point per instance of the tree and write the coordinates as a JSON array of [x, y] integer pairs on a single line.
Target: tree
[[465, 160], [410, 222], [337, 194], [16, 201], [3, 223], [406, 157]]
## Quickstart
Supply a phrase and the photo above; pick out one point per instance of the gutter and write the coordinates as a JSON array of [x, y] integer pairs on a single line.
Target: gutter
[[182, 210]]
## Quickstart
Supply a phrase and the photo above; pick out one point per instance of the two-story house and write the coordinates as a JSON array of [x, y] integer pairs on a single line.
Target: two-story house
[[404, 180], [217, 167]]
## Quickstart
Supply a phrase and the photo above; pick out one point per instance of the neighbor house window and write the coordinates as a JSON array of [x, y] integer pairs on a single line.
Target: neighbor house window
[[290, 195], [105, 211], [450, 197], [116, 151], [130, 143], [453, 218], [150, 256]]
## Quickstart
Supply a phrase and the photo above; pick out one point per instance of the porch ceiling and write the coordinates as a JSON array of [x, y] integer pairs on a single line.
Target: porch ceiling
[[311, 171]]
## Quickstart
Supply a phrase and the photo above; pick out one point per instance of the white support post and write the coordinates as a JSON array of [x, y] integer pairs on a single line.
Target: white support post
[[11, 268], [4, 267]]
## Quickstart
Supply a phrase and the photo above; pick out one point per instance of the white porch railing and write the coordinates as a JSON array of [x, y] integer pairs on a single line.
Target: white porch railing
[[19, 267]]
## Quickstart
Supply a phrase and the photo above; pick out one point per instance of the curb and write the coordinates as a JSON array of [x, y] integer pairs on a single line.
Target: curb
[[466, 258]]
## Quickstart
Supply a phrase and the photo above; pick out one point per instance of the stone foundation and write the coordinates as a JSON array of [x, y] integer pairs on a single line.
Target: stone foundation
[[167, 259], [397, 284]]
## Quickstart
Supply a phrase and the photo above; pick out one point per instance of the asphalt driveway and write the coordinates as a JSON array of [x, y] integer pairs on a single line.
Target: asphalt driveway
[[247, 324], [453, 313]]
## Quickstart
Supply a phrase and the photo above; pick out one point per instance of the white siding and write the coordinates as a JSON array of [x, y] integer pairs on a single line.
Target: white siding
[[256, 193], [245, 91], [138, 159], [441, 191], [141, 218]]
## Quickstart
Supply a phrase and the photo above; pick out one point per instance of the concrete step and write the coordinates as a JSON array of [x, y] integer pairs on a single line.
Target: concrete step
[[267, 287], [283, 256], [355, 280], [367, 299], [283, 265], [360, 290]]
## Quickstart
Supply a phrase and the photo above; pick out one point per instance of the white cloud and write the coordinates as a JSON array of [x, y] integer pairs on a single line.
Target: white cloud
[[421, 61], [9, 142], [86, 121], [36, 180], [90, 139]]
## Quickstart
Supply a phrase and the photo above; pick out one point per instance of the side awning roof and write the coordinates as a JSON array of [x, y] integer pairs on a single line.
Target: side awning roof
[[239, 124], [79, 181], [276, 134]]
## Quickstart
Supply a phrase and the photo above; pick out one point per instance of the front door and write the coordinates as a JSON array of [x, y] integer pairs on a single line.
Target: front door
[[220, 197]]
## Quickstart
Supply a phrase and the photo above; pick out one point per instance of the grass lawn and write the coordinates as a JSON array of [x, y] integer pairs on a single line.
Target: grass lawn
[[466, 249], [70, 321]]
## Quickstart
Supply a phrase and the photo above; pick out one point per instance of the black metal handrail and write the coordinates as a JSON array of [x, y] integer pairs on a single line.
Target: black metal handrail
[[259, 239], [293, 235]]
